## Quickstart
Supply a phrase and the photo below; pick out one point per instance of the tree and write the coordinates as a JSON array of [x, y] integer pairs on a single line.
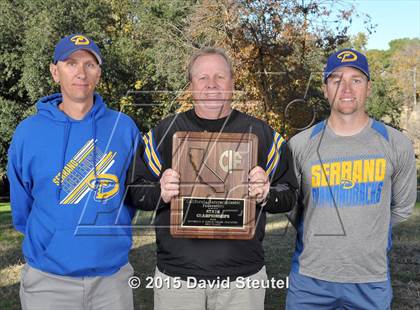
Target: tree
[[160, 80], [278, 48], [28, 33], [124, 30], [385, 101], [404, 62], [394, 79]]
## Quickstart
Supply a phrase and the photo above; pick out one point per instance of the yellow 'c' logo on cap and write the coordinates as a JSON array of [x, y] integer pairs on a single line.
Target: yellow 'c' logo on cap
[[80, 40], [347, 56]]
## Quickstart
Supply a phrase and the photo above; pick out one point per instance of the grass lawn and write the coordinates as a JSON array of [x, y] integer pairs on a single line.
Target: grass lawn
[[278, 244]]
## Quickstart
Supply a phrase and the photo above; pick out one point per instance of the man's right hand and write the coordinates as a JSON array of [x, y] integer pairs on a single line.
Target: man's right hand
[[169, 185]]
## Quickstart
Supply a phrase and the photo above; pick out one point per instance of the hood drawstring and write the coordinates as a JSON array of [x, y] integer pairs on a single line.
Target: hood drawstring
[[94, 151], [63, 158], [64, 150]]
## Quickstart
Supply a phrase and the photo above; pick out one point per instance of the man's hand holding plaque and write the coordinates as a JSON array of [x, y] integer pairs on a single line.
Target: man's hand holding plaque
[[259, 184], [169, 185]]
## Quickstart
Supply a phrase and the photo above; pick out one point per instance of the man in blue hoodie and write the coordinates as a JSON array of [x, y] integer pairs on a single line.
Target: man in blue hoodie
[[67, 169]]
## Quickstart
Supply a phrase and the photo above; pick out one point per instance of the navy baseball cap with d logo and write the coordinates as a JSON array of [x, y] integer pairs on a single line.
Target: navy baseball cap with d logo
[[73, 43], [346, 58]]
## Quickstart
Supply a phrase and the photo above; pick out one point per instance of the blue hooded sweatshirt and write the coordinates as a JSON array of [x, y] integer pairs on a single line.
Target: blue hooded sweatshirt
[[67, 188]]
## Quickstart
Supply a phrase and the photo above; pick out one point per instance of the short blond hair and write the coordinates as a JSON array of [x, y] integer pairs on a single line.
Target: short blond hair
[[204, 52]]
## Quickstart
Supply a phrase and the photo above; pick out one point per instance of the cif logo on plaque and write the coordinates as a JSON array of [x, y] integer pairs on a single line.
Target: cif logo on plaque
[[230, 160]]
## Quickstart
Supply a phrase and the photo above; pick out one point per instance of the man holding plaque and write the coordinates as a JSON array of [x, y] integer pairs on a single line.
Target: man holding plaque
[[185, 262], [358, 179]]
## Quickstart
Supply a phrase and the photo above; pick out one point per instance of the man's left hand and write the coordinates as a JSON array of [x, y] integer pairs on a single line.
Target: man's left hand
[[259, 184]]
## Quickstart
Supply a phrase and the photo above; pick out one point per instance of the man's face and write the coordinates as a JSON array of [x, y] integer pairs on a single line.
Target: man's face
[[347, 89], [78, 76], [211, 84]]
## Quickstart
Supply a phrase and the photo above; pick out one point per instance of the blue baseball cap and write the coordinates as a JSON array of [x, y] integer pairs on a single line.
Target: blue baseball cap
[[346, 58], [73, 43]]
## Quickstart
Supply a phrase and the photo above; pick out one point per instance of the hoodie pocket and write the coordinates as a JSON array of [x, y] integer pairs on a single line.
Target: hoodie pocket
[[84, 255], [37, 238]]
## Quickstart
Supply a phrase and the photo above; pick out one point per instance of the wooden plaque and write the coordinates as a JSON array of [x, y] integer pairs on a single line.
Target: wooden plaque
[[213, 202]]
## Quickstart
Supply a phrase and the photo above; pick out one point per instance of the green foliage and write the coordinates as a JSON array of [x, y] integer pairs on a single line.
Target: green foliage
[[385, 102], [357, 42], [278, 49], [11, 113], [160, 71], [392, 79], [399, 44], [11, 51], [127, 33]]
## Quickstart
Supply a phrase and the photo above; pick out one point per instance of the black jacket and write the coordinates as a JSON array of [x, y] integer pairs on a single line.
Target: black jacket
[[208, 259]]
